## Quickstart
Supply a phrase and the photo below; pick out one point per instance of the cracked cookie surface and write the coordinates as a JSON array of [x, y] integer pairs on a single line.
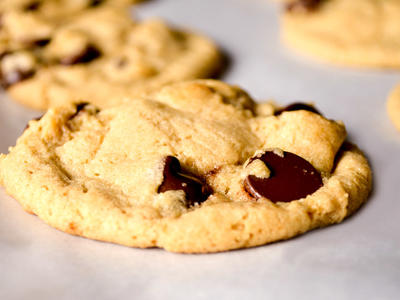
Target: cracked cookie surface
[[362, 33], [97, 53], [196, 167]]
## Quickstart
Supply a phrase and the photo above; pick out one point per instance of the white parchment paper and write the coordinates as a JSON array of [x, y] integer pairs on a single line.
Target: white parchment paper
[[358, 259]]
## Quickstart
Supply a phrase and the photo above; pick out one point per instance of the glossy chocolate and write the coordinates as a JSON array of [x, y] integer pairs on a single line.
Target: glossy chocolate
[[297, 106], [292, 178], [176, 179]]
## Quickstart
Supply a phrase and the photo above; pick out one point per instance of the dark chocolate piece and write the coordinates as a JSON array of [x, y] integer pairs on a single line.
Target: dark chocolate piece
[[90, 53], [94, 3], [297, 106], [34, 5], [41, 43], [303, 5], [81, 106], [291, 178], [176, 179]]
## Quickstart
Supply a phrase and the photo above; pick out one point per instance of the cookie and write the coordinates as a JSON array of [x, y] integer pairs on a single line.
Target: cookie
[[99, 54], [362, 33], [31, 15], [52, 9], [393, 106], [196, 167]]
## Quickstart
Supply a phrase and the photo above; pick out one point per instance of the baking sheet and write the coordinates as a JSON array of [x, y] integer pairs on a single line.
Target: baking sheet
[[358, 259]]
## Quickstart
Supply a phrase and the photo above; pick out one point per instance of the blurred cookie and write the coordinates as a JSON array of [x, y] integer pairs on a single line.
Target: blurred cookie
[[363, 33], [196, 167], [56, 11], [98, 53]]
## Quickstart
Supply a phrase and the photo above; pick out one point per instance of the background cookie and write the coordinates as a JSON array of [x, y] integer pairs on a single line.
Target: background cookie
[[393, 106], [98, 53], [52, 9], [362, 33], [186, 170]]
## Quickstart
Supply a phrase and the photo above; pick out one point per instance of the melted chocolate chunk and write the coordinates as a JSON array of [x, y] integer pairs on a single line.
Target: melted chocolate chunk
[[15, 76], [303, 5], [34, 5], [292, 178], [89, 54], [94, 3], [297, 106], [41, 43], [175, 179]]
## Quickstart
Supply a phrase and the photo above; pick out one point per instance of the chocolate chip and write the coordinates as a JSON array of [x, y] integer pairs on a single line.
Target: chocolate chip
[[32, 6], [303, 5], [90, 53], [94, 3], [4, 53], [15, 76], [41, 42], [297, 106], [291, 178], [81, 106], [33, 44], [176, 179]]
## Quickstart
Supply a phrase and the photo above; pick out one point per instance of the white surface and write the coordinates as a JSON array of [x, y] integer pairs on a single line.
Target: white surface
[[359, 259]]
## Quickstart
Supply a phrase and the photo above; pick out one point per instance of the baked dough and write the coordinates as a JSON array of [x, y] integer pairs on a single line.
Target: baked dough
[[176, 170], [97, 53], [362, 33]]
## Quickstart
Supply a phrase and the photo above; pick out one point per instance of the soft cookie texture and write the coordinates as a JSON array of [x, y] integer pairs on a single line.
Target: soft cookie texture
[[393, 106], [195, 167], [362, 33], [97, 53]]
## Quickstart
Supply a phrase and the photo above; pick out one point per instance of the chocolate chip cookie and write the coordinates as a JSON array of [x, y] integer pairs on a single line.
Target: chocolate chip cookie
[[52, 9], [97, 53], [363, 33], [393, 106], [196, 167]]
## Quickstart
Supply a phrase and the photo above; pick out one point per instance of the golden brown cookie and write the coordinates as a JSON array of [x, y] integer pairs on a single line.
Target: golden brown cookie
[[196, 167], [363, 33], [97, 53]]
